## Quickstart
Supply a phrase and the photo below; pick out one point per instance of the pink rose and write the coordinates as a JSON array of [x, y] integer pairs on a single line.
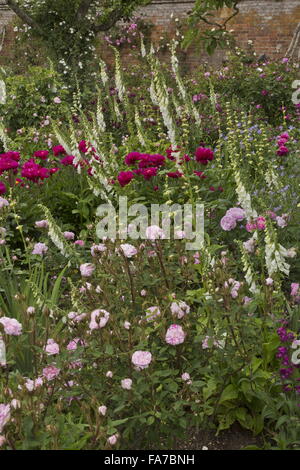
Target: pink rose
[[141, 359], [228, 223], [87, 269], [175, 335], [11, 326]]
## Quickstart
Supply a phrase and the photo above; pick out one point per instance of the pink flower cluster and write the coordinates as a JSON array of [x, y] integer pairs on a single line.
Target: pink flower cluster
[[281, 142], [258, 224]]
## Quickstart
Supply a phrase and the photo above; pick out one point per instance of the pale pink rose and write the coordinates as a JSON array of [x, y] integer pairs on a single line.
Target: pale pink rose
[[4, 415], [127, 325], [3, 202], [69, 235], [79, 242], [153, 232], [42, 224], [205, 342], [73, 345], [39, 249], [99, 318], [95, 249], [15, 403], [236, 213], [30, 310], [228, 223], [51, 372], [269, 281], [143, 292], [87, 269], [102, 410], [185, 376], [179, 309], [141, 359], [109, 374], [11, 326], [249, 245], [52, 347], [175, 335], [126, 384], [152, 313], [294, 289], [281, 222], [128, 250], [112, 440], [57, 100]]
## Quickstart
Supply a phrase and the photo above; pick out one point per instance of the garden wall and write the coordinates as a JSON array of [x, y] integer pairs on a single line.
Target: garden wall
[[268, 23]]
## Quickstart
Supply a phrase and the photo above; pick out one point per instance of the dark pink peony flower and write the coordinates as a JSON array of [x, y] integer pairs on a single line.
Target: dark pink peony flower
[[124, 177], [282, 151], [175, 174], [58, 150], [2, 188], [67, 160], [42, 154], [203, 155], [133, 157], [200, 174]]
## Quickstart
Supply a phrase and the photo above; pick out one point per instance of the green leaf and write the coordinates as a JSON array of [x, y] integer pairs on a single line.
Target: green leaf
[[229, 393]]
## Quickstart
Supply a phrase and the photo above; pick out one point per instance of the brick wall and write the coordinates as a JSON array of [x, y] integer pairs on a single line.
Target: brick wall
[[268, 23]]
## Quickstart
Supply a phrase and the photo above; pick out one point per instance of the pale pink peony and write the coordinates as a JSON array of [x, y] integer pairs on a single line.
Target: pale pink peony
[[95, 249], [87, 269], [186, 376], [99, 318], [294, 289], [175, 335], [102, 410], [128, 250], [152, 313], [141, 359], [4, 415], [69, 235], [112, 440], [127, 325], [52, 347], [179, 309], [153, 232], [42, 224], [126, 384], [51, 372], [39, 249], [236, 213], [11, 326], [30, 310], [228, 223], [3, 202]]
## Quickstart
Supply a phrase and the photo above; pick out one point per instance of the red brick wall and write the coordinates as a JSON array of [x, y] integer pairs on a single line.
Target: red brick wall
[[268, 23]]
